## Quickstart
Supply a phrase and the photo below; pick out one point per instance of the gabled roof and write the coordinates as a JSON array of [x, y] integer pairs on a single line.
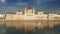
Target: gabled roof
[[19, 10]]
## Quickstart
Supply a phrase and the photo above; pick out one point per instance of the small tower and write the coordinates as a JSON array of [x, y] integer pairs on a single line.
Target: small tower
[[8, 16], [9, 13], [40, 12], [19, 12]]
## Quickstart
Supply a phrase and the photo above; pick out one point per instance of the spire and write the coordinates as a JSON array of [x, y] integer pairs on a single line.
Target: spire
[[25, 10], [33, 11]]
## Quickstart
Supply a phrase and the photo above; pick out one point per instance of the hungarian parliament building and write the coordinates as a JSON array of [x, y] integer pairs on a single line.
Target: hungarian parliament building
[[29, 14]]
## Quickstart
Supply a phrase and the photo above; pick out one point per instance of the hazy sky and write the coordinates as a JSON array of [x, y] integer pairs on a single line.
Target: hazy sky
[[45, 5]]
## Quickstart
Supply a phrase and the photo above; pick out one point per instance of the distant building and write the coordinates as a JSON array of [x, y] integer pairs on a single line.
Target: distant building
[[2, 16], [29, 14]]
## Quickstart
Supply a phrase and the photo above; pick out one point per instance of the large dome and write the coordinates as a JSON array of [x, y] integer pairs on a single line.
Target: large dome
[[29, 7]]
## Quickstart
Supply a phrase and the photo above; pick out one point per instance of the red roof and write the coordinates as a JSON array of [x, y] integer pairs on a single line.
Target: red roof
[[9, 12], [18, 10]]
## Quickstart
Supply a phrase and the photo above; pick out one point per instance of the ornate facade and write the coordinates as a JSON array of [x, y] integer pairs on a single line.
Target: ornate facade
[[29, 14]]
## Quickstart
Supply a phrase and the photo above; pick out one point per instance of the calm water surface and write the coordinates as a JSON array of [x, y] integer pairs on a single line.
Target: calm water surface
[[46, 30]]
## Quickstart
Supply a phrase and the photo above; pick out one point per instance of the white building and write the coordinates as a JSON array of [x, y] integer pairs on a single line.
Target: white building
[[29, 15], [2, 16]]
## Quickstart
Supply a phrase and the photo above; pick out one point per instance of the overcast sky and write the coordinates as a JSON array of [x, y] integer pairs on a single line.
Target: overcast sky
[[45, 5]]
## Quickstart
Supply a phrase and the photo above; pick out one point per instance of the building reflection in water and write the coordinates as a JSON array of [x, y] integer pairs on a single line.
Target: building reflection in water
[[45, 30]]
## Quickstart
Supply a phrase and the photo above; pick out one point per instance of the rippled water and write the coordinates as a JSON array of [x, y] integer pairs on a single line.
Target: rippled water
[[46, 30]]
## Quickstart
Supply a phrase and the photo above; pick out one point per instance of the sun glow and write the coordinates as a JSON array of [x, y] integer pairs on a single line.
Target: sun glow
[[2, 0]]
